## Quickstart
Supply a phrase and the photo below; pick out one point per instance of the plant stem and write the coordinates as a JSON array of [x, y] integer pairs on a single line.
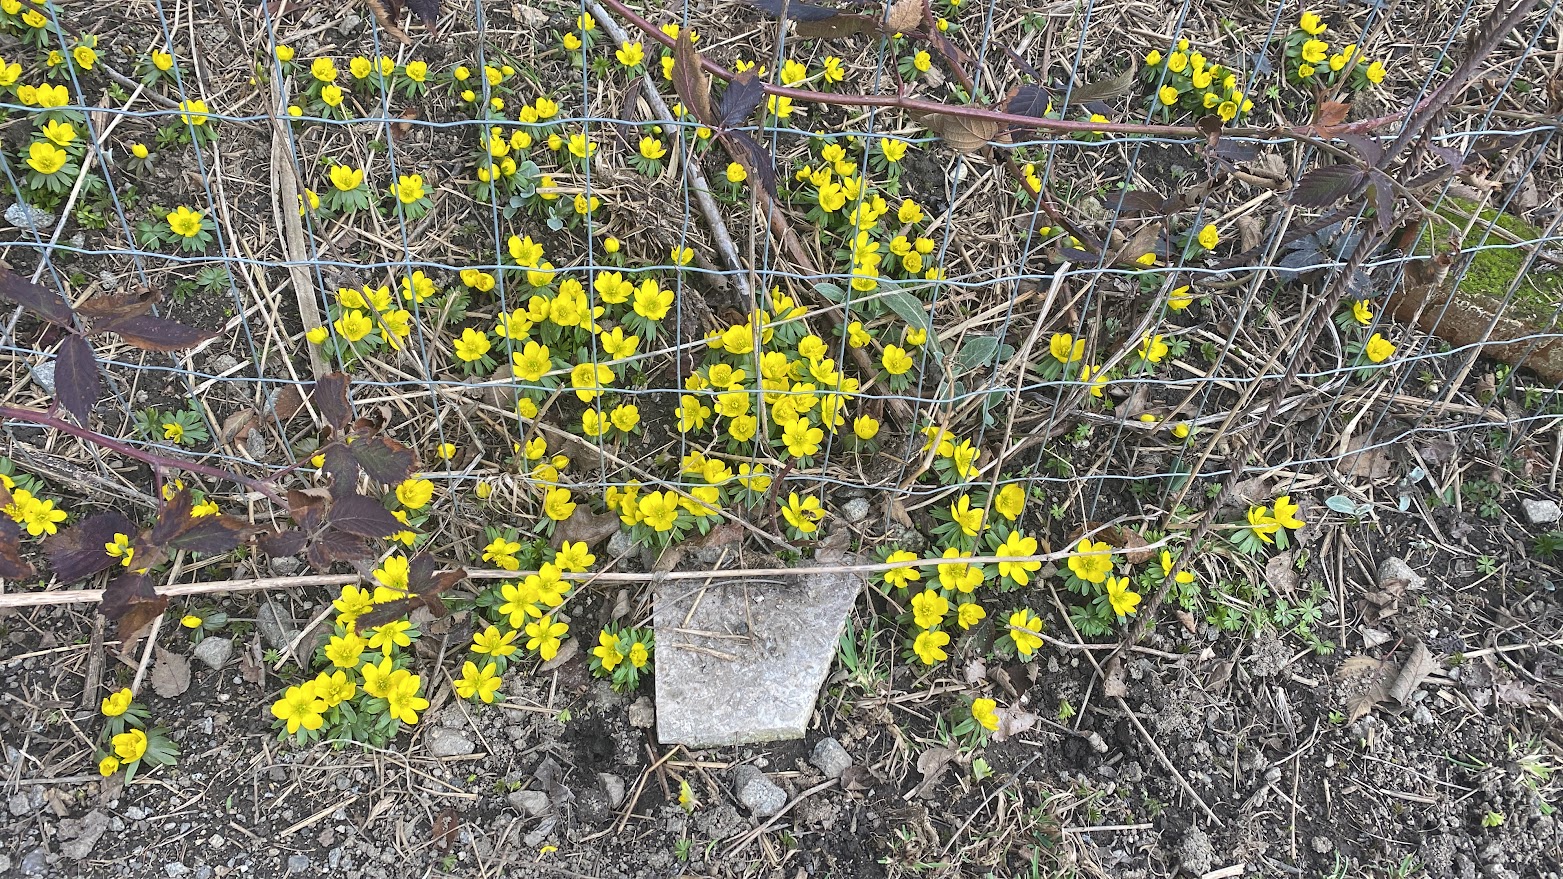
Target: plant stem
[[160, 462]]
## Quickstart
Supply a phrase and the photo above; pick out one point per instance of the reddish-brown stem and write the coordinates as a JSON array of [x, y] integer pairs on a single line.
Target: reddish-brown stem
[[913, 105], [45, 419]]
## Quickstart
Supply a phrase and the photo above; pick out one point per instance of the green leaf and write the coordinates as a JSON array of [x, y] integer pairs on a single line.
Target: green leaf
[[908, 308], [831, 291]]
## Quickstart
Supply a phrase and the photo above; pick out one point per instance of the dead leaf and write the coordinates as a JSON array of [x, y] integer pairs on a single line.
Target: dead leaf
[[962, 133], [846, 24], [1112, 682], [897, 511], [1250, 231], [976, 671], [1012, 722], [904, 15], [443, 833], [1371, 678], [251, 668], [1281, 575], [235, 425], [1413, 672], [585, 526], [931, 763], [1135, 548], [1331, 114], [1361, 462], [170, 675], [1104, 89]]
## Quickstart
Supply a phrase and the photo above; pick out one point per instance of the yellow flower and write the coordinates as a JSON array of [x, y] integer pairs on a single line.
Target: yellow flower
[[1092, 562], [557, 504], [1379, 349], [969, 614], [194, 112], [346, 179], [588, 378], [929, 647], [630, 54], [982, 711], [922, 61], [482, 683], [900, 577], [865, 427], [543, 636], [834, 71], [1262, 524], [1209, 236], [284, 53], [1025, 630], [417, 71], [1167, 95], [801, 438], [473, 345], [1065, 348], [402, 700], [1311, 23], [61, 133], [736, 173], [353, 325], [1010, 501], [116, 704], [896, 360], [928, 609], [415, 494], [1375, 72], [162, 60], [1018, 545], [191, 621], [1315, 51], [108, 766], [652, 148], [129, 746], [1286, 512], [185, 222], [1361, 312], [1180, 298], [969, 519], [331, 95], [323, 69], [45, 158], [1152, 349], [1123, 599], [139, 150], [408, 188]]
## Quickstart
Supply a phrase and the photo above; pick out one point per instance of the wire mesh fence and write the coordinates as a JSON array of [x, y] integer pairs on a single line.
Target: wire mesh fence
[[424, 207]]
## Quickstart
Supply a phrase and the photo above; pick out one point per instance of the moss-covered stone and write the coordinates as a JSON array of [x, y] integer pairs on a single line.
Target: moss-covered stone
[[1491, 272]]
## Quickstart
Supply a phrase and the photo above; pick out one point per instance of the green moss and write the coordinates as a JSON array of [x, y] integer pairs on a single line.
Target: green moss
[[1486, 282]]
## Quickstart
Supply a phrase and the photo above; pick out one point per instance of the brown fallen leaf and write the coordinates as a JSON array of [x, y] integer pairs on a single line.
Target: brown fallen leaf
[[1012, 722], [904, 15], [931, 763], [170, 674], [443, 833], [1113, 685], [585, 526], [962, 133], [1372, 676]]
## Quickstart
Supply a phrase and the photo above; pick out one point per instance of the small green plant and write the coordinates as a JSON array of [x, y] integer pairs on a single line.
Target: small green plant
[[1493, 819], [183, 427]]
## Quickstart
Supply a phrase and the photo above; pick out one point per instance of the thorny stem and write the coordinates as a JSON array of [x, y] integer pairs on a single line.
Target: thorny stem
[[913, 105], [160, 462]]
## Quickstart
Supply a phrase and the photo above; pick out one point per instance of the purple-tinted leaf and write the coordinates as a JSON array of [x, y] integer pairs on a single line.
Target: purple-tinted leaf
[[77, 385], [308, 507], [742, 96], [1027, 100], [337, 546], [1369, 149], [795, 11], [41, 303], [1147, 201], [364, 517], [281, 543], [343, 470], [12, 566], [1382, 190], [755, 158], [178, 528], [691, 81], [1324, 187], [78, 552], [428, 12], [131, 600], [330, 397], [384, 459], [152, 333], [121, 304]]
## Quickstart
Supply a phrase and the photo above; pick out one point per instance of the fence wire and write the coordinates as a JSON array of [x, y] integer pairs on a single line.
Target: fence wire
[[1001, 273]]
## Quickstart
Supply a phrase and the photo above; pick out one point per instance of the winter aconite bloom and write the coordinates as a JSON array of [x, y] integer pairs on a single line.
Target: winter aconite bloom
[[1123, 599], [299, 707], [1379, 349], [482, 683], [1010, 501], [543, 637], [1018, 545], [472, 345], [900, 577], [185, 222], [803, 514], [129, 746], [1092, 562], [929, 608], [929, 646], [983, 711], [1286, 512], [45, 158], [1209, 237], [116, 704], [1066, 348], [492, 642], [1025, 630]]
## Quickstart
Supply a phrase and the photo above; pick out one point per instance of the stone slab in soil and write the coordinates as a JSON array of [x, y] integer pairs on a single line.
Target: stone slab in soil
[[748, 663]]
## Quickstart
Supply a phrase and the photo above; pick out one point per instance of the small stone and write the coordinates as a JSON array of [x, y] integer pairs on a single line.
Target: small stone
[[621, 544], [255, 444], [298, 863], [25, 216], [446, 742], [1372, 638], [642, 713], [761, 796], [1541, 512], [855, 510], [214, 653], [223, 363], [1323, 845], [35, 862], [613, 786], [283, 565], [175, 869], [43, 376], [18, 804], [275, 627], [830, 758], [530, 803], [1195, 852], [1394, 568]]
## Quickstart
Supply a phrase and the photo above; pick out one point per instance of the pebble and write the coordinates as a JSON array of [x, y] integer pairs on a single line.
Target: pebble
[[830, 758], [613, 786], [35, 862], [1394, 568], [18, 804], [25, 216], [43, 376], [531, 803], [1541, 512], [283, 566], [621, 544], [275, 626], [642, 713], [855, 510], [298, 863], [446, 742], [175, 869], [214, 653], [759, 794]]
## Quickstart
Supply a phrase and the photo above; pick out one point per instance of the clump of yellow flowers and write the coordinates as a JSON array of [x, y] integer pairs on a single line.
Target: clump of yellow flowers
[[1184, 81], [1310, 62]]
